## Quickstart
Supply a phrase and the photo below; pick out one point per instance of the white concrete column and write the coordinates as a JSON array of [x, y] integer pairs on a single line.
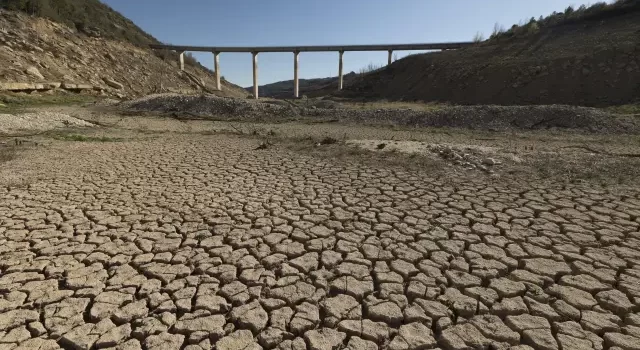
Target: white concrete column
[[255, 74], [181, 60], [340, 66], [216, 66], [390, 57], [296, 83]]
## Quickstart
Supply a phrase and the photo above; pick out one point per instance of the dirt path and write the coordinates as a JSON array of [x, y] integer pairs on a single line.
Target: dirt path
[[186, 241]]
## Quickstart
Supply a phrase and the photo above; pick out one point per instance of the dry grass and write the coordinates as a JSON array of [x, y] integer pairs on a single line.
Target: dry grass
[[416, 106], [16, 102], [7, 153], [629, 109]]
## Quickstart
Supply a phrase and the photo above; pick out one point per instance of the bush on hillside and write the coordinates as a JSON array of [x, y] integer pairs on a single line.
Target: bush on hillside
[[597, 11]]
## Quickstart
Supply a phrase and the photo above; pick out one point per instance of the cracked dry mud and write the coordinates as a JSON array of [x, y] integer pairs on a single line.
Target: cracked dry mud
[[201, 242]]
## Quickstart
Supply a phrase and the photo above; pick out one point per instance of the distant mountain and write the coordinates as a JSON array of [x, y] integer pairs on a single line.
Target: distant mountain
[[309, 87]]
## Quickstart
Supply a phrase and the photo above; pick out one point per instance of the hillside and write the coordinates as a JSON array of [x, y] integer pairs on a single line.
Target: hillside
[[91, 17], [91, 46], [591, 60], [308, 87]]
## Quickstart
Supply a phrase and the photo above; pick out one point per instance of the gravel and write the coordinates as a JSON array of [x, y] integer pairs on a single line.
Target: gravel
[[498, 118], [38, 121]]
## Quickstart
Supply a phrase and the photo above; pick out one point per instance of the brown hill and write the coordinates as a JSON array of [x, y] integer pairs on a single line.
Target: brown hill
[[308, 87], [591, 60], [37, 50]]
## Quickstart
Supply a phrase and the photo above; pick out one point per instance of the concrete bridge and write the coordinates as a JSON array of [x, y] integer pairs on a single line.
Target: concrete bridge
[[341, 49]]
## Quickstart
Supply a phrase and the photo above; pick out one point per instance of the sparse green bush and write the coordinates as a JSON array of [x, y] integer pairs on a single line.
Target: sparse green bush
[[597, 11], [370, 68]]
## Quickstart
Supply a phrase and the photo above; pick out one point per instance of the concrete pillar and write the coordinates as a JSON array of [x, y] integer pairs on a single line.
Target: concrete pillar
[[296, 83], [181, 60], [255, 74], [390, 57], [340, 66], [216, 66]]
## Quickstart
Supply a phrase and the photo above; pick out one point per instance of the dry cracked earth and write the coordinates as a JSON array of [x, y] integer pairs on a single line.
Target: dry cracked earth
[[201, 242]]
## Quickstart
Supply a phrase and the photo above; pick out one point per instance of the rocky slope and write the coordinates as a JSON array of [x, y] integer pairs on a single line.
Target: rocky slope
[[38, 50], [594, 61]]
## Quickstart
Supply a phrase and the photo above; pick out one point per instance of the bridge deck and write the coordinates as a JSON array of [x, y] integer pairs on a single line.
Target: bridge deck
[[382, 47]]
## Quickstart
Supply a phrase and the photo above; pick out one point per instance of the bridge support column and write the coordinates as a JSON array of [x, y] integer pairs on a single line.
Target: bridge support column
[[390, 57], [296, 82], [182, 60], [340, 66], [255, 74], [216, 68]]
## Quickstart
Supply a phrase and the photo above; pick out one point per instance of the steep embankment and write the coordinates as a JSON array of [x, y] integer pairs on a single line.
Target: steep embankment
[[594, 61], [103, 56]]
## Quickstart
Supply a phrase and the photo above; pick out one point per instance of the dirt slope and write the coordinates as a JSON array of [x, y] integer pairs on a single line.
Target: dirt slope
[[592, 62], [35, 49]]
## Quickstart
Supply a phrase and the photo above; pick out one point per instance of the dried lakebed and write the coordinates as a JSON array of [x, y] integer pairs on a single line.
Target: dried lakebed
[[195, 242]]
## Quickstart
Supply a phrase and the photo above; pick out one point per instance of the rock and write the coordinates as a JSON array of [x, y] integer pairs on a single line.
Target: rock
[[341, 307], [492, 327], [137, 309], [295, 344], [615, 301], [114, 336], [507, 288], [271, 337], [112, 83], [238, 340], [622, 341], [307, 317], [164, 341], [463, 336], [212, 303], [367, 329], [547, 267], [574, 297], [599, 322], [324, 339], [251, 316], [357, 343], [16, 335], [568, 342], [34, 72], [489, 161], [385, 311], [540, 339], [510, 306], [352, 286], [15, 318], [460, 279], [522, 323], [38, 344], [413, 336], [211, 324]]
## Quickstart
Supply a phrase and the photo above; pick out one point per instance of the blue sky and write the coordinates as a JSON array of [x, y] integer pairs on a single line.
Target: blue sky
[[315, 22]]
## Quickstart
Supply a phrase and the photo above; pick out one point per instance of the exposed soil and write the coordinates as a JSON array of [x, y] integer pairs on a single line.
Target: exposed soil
[[471, 117], [181, 235]]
